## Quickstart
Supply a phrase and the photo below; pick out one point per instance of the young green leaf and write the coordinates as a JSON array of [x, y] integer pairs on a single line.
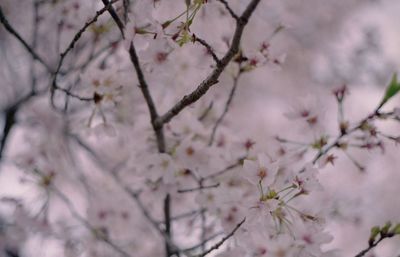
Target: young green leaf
[[374, 233], [392, 89]]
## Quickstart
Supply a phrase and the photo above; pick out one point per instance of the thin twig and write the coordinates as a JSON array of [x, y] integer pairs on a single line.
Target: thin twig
[[134, 195], [231, 12], [206, 111], [184, 215], [336, 142], [71, 45], [69, 93], [194, 189], [370, 247], [226, 169], [12, 31], [226, 109], [222, 241], [192, 248], [86, 223], [203, 217], [115, 17], [209, 48]]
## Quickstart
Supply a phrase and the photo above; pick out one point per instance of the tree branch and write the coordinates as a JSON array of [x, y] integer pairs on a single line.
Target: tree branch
[[212, 79], [115, 17], [13, 32], [210, 50], [195, 189], [86, 223], [231, 12], [9, 122], [226, 109], [71, 45], [370, 247], [222, 241], [158, 128]]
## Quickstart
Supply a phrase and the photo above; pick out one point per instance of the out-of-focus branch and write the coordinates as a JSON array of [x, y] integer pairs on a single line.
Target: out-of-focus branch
[[134, 195], [86, 223], [9, 122], [226, 109], [13, 32], [226, 169], [71, 45], [126, 5], [206, 112], [213, 77], [187, 214], [195, 189], [222, 241], [10, 114]]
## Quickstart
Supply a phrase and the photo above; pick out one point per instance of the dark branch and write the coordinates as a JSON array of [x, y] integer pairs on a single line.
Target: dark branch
[[9, 122], [126, 5], [231, 12], [13, 32], [168, 228], [10, 114], [210, 50], [115, 17], [69, 93], [71, 45], [212, 79], [192, 248], [158, 128], [370, 247]]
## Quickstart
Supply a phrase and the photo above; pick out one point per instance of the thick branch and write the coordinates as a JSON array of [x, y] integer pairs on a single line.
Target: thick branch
[[142, 82], [212, 79], [158, 128]]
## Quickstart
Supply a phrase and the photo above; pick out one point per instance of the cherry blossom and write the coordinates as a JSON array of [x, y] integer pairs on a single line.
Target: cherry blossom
[[155, 128]]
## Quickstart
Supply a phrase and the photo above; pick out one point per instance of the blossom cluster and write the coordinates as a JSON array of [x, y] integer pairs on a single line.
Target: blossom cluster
[[137, 154]]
